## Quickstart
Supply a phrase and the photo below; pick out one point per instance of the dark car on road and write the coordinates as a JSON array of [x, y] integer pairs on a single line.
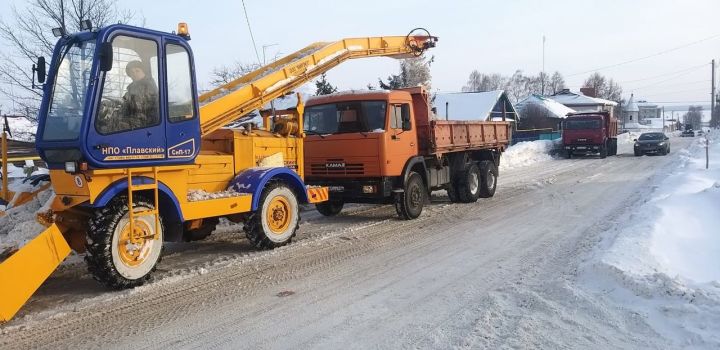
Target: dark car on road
[[688, 133], [652, 142]]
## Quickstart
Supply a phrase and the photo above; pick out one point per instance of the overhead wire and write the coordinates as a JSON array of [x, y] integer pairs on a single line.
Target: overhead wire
[[648, 56], [252, 37]]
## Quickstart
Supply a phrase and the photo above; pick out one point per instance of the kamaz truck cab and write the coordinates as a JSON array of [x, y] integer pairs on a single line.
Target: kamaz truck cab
[[590, 133]]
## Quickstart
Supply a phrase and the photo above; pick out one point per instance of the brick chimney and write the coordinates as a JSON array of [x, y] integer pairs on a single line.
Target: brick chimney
[[588, 91]]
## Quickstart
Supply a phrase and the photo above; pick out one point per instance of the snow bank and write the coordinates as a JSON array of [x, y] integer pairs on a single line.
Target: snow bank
[[664, 261], [526, 153], [18, 226]]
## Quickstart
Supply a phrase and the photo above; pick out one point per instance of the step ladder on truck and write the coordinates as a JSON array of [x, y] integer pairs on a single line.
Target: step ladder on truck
[[131, 171]]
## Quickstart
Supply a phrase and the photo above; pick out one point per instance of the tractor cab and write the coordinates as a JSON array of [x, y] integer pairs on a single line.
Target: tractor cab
[[119, 97]]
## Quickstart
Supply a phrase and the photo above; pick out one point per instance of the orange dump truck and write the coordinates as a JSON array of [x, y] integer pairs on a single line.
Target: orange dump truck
[[384, 146]]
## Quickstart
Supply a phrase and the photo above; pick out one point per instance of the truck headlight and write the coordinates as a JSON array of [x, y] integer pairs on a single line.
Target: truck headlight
[[661, 144], [71, 167], [369, 189]]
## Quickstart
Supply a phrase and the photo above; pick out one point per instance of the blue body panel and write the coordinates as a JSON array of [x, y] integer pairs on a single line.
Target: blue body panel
[[163, 144], [253, 181], [121, 186]]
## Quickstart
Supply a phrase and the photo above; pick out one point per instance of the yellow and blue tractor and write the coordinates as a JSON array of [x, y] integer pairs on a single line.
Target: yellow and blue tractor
[[138, 157]]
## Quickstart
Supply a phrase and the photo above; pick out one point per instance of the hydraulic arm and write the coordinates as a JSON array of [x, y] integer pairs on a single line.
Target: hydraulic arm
[[247, 93]]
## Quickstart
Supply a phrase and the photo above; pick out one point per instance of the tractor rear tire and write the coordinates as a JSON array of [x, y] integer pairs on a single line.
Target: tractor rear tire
[[329, 208], [277, 218], [409, 203], [117, 257], [469, 184], [488, 178], [206, 228]]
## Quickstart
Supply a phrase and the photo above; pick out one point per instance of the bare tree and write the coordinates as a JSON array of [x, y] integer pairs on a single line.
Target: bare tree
[[484, 82], [557, 83], [225, 74], [694, 117], [604, 88], [30, 36]]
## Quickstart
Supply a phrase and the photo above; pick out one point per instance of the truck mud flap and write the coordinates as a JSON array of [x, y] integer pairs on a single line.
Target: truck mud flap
[[23, 272]]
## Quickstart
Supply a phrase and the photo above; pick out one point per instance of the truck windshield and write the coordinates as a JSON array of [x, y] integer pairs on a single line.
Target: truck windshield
[[69, 92], [345, 117], [582, 124]]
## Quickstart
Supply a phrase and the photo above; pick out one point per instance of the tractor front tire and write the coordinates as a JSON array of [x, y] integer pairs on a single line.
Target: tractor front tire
[[117, 257], [276, 219]]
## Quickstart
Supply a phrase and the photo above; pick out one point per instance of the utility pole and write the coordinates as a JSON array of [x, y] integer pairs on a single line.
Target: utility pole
[[542, 79], [712, 95], [663, 112]]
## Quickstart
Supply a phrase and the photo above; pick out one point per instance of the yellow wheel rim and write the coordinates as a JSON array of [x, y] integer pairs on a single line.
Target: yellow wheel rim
[[134, 247], [278, 215]]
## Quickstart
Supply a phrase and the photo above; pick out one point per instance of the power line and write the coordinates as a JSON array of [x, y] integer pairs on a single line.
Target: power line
[[663, 75], [648, 56], [257, 54], [668, 79]]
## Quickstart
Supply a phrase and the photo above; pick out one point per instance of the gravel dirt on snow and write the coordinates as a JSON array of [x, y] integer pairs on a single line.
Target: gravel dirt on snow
[[505, 272]]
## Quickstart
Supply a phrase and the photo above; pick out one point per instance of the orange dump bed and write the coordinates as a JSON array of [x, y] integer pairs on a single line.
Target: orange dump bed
[[453, 135]]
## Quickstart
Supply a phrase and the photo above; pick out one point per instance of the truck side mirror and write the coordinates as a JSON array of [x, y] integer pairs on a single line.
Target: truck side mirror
[[106, 57], [40, 69]]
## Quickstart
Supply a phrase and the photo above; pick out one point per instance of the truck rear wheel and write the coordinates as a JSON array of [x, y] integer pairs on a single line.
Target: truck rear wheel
[[329, 208], [409, 204], [206, 228], [469, 184], [276, 219], [116, 256], [488, 178]]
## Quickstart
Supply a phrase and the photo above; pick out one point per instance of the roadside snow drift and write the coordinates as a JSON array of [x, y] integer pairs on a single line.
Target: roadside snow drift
[[664, 261], [527, 153]]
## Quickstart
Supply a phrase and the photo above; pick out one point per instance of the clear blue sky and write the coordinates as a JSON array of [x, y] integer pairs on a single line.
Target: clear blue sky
[[490, 36]]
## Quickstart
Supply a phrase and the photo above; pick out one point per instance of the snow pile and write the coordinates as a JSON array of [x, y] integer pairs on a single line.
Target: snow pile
[[22, 129], [18, 226], [526, 153], [201, 195], [665, 263]]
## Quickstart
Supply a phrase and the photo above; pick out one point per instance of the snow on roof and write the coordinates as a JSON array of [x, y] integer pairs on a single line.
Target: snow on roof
[[472, 105], [571, 99], [555, 108], [350, 92], [631, 106]]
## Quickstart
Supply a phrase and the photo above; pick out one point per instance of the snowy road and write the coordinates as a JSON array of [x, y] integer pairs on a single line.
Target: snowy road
[[498, 273]]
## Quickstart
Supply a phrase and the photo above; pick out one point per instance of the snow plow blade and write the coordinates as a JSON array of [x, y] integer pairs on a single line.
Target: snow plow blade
[[24, 271]]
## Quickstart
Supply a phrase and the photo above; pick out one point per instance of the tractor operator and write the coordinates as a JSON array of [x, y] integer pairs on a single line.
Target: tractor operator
[[139, 108]]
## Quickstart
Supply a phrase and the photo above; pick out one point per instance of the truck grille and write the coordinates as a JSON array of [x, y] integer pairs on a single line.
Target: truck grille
[[331, 168]]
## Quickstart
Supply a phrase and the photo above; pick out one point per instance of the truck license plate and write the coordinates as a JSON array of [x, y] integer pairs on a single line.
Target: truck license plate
[[336, 188], [581, 147]]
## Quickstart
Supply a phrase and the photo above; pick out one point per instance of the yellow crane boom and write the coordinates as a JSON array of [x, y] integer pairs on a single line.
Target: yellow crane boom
[[251, 91]]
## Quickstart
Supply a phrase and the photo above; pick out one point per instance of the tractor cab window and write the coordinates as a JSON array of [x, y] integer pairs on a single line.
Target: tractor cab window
[[69, 92], [345, 117], [179, 84], [130, 91]]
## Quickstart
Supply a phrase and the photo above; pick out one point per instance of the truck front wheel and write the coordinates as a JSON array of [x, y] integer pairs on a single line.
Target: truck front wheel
[[488, 178], [409, 203], [116, 256], [276, 219], [604, 150], [329, 208]]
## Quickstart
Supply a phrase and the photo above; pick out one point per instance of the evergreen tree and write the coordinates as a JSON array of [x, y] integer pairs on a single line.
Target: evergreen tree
[[413, 72], [323, 87]]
